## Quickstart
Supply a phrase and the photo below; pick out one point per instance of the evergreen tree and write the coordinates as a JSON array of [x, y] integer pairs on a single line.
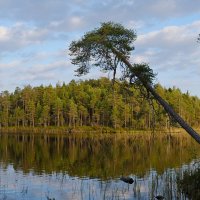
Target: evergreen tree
[[109, 47]]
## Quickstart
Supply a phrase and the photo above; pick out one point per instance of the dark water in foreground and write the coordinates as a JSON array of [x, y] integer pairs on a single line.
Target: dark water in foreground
[[39, 167]]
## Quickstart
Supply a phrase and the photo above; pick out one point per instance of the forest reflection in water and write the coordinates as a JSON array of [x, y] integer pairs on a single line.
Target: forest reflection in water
[[90, 166]]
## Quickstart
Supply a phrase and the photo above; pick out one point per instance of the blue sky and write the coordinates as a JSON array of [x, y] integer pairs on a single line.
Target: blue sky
[[35, 36]]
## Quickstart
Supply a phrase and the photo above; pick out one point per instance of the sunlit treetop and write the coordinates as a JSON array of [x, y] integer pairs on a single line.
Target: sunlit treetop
[[95, 48], [143, 72]]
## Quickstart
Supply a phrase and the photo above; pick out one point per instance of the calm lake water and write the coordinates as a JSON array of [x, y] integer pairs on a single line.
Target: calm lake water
[[40, 167]]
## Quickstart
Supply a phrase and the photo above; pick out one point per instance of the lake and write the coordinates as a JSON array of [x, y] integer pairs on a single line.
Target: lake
[[89, 166]]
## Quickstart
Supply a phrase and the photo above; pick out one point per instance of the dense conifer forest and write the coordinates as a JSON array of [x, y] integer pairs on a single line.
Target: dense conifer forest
[[94, 103]]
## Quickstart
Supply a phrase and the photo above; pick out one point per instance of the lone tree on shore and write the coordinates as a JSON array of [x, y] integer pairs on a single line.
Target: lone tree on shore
[[109, 47]]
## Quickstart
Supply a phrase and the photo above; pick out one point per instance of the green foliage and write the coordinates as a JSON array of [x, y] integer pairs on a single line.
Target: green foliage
[[45, 115], [141, 72], [72, 112], [93, 103], [104, 47], [95, 48]]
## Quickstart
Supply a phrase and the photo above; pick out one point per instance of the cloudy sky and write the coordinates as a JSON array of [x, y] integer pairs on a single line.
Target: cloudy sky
[[35, 36]]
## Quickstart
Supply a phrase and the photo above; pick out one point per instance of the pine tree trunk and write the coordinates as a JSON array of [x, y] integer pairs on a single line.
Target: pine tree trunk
[[165, 105], [169, 110]]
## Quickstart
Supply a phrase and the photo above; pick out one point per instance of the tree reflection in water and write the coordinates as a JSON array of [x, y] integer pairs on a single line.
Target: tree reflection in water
[[90, 167], [189, 182]]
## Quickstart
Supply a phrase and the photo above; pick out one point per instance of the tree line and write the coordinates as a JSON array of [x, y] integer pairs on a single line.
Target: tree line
[[94, 103]]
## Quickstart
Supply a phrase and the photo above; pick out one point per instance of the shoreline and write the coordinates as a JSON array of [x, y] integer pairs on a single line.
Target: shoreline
[[96, 130]]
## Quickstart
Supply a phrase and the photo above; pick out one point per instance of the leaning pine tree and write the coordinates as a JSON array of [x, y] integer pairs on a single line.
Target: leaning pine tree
[[109, 47]]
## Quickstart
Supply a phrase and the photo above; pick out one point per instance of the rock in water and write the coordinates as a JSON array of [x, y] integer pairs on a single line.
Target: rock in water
[[127, 180], [159, 197]]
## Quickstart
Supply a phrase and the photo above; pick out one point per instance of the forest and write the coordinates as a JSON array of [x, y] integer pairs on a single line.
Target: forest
[[94, 103]]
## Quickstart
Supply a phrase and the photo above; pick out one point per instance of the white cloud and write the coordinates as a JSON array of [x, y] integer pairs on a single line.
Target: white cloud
[[3, 34], [10, 65], [170, 45], [173, 53], [42, 13], [35, 68], [76, 21], [19, 35], [46, 68]]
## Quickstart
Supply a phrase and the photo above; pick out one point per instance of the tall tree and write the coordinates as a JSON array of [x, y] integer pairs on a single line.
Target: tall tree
[[73, 112], [110, 46], [18, 116], [58, 111], [31, 109], [27, 96], [5, 107], [45, 115]]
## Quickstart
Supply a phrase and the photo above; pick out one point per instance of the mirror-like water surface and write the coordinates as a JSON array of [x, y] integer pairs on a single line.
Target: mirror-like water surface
[[89, 167]]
